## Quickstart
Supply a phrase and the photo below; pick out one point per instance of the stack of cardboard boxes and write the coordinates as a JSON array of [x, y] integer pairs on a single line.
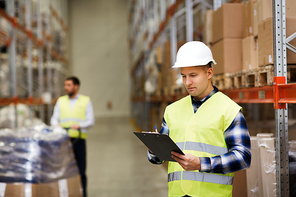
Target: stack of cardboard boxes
[[241, 35], [227, 38], [265, 31]]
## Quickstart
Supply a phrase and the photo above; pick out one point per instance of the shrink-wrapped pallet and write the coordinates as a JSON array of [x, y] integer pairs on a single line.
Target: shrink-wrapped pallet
[[253, 186], [268, 166], [38, 154]]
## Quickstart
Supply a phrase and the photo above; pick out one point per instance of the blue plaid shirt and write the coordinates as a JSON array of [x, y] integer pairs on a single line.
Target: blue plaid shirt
[[237, 140]]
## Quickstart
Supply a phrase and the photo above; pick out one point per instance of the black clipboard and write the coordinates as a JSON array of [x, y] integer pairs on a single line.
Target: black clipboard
[[161, 145]]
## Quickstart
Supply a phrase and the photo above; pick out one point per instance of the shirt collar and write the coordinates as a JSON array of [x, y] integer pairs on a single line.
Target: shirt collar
[[207, 97], [76, 97]]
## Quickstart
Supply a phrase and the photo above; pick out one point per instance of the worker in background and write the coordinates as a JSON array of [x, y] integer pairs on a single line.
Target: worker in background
[[208, 127], [74, 112]]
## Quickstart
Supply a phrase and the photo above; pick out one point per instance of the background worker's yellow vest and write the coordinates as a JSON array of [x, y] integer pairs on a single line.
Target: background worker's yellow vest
[[74, 116], [200, 134]]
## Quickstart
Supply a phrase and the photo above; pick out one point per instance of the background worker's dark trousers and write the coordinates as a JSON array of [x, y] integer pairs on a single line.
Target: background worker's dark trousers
[[79, 149]]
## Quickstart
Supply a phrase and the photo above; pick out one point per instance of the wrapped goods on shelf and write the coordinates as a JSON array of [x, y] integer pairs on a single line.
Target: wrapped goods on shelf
[[208, 26], [36, 154], [250, 53], [151, 83], [292, 167], [228, 21], [228, 55], [268, 165], [7, 116], [265, 41], [253, 173], [4, 80], [4, 24], [248, 29]]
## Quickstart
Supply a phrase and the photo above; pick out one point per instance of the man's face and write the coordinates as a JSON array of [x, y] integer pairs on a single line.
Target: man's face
[[70, 88], [196, 80]]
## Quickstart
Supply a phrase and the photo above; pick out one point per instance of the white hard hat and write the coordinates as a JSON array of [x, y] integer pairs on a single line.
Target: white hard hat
[[193, 53]]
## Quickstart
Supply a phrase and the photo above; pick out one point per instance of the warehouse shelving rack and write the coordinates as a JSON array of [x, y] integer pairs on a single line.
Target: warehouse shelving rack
[[34, 54], [280, 94]]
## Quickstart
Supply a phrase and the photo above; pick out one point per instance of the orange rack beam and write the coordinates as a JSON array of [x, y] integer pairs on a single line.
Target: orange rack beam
[[280, 94]]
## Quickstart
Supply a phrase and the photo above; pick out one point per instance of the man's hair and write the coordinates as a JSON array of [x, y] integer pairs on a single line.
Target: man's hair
[[206, 67], [74, 79]]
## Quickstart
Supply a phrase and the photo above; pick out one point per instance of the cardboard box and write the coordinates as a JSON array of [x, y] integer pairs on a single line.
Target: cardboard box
[[208, 26], [291, 29], [290, 8], [248, 19], [255, 18], [250, 53], [265, 41], [228, 55], [264, 10], [228, 21], [70, 187]]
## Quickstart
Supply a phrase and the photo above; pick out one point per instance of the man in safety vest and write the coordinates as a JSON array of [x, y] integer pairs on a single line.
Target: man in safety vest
[[74, 112], [208, 127]]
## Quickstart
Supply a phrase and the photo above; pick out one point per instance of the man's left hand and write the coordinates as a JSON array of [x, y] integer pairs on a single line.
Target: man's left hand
[[75, 127], [188, 162]]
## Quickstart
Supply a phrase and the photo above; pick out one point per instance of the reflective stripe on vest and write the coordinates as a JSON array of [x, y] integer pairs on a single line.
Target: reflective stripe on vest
[[198, 176], [202, 147], [71, 119]]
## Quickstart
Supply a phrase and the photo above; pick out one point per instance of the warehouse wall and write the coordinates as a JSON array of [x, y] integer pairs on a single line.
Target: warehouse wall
[[99, 53]]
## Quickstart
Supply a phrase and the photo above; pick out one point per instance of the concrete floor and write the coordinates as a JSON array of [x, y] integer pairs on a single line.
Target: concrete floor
[[117, 163]]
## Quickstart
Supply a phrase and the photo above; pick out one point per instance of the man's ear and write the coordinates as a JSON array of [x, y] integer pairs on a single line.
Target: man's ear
[[210, 73]]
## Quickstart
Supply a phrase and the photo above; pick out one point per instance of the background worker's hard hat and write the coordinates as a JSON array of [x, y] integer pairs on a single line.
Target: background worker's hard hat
[[193, 53]]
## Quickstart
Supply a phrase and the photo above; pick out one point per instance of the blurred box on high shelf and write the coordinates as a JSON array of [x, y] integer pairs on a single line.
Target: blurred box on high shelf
[[265, 41], [228, 21], [248, 29], [250, 53], [208, 27], [228, 55]]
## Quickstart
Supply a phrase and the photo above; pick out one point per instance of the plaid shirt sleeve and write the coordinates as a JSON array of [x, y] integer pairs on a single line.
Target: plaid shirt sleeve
[[239, 150]]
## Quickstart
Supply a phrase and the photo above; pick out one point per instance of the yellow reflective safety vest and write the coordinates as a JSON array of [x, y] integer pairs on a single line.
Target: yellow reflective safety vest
[[200, 134], [70, 117]]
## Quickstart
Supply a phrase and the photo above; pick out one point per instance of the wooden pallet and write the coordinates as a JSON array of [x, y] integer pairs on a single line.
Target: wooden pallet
[[262, 76], [265, 76], [223, 81], [239, 79], [258, 77]]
